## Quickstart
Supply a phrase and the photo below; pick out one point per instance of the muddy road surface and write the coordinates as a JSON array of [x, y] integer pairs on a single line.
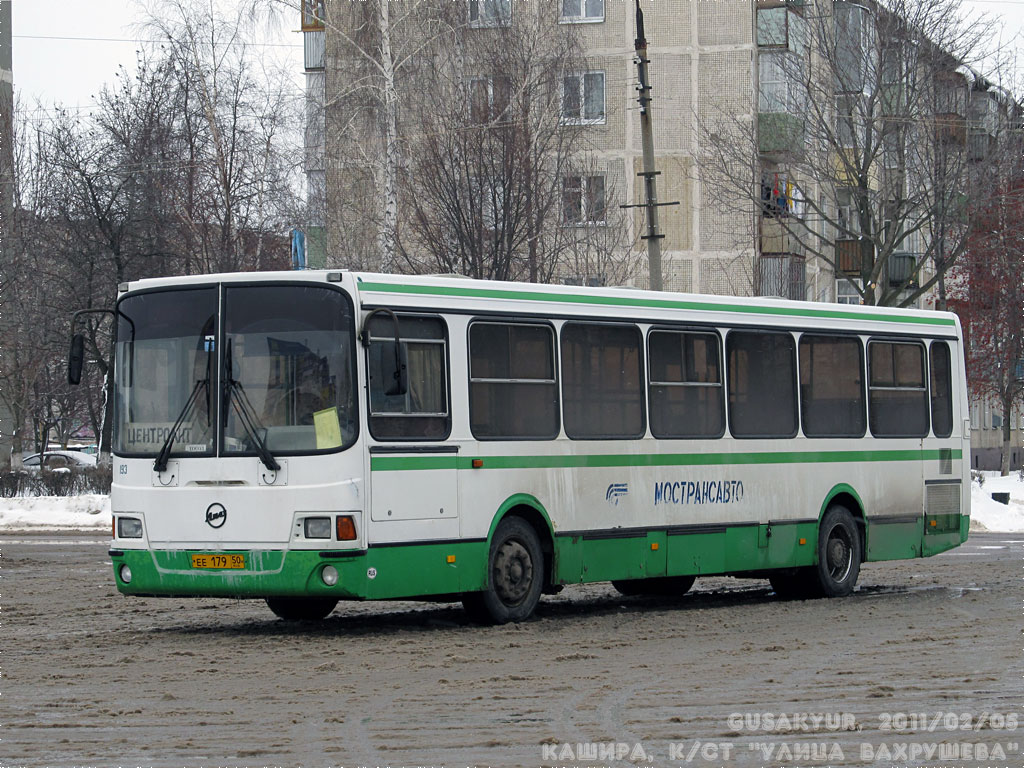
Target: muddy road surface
[[921, 666]]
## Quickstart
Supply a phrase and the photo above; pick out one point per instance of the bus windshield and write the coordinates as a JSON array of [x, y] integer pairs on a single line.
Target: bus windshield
[[277, 374]]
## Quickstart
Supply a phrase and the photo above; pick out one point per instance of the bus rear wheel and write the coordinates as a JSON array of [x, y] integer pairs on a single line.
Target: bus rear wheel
[[663, 586], [839, 553], [515, 576], [301, 608]]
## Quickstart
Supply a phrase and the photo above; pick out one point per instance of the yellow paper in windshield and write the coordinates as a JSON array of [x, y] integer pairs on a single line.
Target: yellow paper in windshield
[[328, 429]]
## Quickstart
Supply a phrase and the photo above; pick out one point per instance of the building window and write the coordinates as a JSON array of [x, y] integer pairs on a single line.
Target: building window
[[583, 98], [851, 116], [897, 393], [488, 98], [781, 27], [780, 82], [847, 292], [490, 13], [513, 392], [576, 11], [686, 385], [583, 200], [313, 15]]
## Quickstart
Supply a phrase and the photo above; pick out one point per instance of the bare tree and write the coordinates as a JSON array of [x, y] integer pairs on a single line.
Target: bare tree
[[500, 183], [859, 156]]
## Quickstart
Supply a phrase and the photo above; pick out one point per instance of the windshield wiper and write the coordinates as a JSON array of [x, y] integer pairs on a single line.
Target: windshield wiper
[[235, 393], [160, 465]]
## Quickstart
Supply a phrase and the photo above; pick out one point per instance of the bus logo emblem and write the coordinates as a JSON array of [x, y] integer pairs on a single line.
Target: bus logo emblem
[[216, 515], [616, 491]]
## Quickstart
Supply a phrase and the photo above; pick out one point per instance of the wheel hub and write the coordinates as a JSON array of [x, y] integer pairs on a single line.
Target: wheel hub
[[838, 553], [513, 572]]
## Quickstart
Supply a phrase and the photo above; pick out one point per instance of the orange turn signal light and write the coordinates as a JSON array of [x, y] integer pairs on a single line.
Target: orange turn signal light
[[933, 523], [450, 558], [654, 546], [802, 542], [345, 527], [478, 463]]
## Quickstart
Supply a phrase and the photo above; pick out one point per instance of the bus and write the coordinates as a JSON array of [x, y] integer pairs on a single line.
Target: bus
[[315, 436]]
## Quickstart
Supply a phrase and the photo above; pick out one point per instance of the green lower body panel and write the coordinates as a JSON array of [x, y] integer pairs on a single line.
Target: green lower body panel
[[655, 553], [448, 568], [378, 573], [893, 540]]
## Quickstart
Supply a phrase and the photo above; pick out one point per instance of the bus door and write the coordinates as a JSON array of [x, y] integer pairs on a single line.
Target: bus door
[[943, 481]]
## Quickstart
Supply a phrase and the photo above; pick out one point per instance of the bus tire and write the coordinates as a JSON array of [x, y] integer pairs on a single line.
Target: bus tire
[[839, 554], [515, 576], [661, 586], [301, 608]]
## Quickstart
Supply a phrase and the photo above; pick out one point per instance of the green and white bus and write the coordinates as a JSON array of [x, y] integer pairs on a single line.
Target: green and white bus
[[317, 436]]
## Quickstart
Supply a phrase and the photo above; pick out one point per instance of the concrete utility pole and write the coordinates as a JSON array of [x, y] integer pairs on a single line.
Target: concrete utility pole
[[6, 196], [651, 204]]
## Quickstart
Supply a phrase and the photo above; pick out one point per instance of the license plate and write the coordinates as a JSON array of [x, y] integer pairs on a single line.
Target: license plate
[[218, 561]]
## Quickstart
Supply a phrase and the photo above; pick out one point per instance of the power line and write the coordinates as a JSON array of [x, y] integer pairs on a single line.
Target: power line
[[142, 40]]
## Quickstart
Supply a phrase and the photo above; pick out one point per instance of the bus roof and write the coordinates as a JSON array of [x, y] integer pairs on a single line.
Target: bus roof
[[460, 294]]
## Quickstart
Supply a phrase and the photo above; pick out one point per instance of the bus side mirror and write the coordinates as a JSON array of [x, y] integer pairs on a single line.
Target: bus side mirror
[[76, 359], [394, 364]]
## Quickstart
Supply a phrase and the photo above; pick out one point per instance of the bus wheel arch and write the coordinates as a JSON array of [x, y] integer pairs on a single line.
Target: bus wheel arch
[[845, 496], [532, 511], [519, 541], [514, 577]]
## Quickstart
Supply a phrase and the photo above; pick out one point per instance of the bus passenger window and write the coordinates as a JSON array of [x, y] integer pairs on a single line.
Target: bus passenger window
[[513, 392], [686, 385], [422, 412], [762, 384], [942, 399], [832, 386], [601, 381], [897, 395]]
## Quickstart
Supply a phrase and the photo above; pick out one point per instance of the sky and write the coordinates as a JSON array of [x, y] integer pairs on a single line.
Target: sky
[[65, 50]]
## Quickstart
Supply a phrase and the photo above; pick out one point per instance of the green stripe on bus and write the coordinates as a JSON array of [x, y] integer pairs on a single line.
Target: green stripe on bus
[[621, 301], [395, 463]]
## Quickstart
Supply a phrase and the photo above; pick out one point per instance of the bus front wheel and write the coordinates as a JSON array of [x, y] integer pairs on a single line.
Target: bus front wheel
[[301, 608], [515, 575]]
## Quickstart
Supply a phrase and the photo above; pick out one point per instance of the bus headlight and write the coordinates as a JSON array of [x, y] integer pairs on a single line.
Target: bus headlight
[[129, 528], [317, 527], [330, 575], [126, 574]]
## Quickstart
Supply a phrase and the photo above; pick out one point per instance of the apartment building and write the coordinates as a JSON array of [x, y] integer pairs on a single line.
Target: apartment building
[[753, 102]]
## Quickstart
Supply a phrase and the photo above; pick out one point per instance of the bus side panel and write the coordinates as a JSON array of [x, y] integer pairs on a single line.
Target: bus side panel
[[897, 540]]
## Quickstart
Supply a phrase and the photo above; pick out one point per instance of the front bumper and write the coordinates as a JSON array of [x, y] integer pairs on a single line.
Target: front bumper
[[377, 573]]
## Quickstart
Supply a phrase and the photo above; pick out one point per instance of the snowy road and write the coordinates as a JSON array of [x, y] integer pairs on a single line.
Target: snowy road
[[919, 667]]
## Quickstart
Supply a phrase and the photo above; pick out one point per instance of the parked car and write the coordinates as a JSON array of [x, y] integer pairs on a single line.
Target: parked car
[[58, 461]]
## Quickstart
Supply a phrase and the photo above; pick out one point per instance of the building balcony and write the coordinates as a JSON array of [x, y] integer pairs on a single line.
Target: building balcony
[[782, 275], [902, 269], [852, 255], [779, 133], [951, 129], [775, 240]]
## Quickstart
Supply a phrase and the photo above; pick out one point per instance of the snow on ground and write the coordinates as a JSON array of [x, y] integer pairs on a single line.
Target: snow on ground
[[47, 512], [991, 514], [93, 511]]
